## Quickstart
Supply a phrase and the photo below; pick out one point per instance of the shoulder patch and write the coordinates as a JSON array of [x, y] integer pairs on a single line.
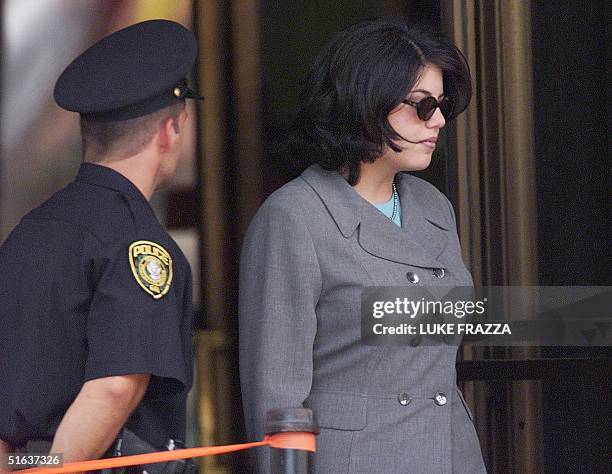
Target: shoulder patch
[[152, 267]]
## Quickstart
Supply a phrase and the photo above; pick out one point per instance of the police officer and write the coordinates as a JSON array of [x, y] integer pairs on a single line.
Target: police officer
[[95, 296]]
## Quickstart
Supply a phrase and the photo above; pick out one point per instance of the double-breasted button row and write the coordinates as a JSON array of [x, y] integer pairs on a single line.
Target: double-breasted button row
[[404, 399], [414, 277], [440, 399], [439, 272]]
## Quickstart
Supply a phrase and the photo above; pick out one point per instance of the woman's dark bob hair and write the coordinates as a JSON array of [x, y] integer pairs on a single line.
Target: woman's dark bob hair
[[359, 77]]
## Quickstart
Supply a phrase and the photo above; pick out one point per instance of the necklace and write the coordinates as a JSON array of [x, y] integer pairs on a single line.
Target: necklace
[[395, 200]]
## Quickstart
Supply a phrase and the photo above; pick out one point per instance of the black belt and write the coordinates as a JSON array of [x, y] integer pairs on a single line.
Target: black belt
[[126, 444]]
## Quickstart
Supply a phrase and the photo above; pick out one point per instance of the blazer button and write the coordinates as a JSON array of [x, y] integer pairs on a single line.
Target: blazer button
[[412, 277], [404, 399], [440, 399], [439, 272]]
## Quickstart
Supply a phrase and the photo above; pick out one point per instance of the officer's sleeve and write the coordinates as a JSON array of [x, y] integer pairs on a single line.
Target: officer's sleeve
[[280, 283], [130, 332]]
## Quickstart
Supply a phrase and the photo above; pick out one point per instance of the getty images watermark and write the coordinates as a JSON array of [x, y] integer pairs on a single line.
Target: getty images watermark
[[495, 315]]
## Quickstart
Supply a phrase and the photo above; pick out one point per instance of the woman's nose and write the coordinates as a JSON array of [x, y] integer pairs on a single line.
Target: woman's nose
[[437, 120]]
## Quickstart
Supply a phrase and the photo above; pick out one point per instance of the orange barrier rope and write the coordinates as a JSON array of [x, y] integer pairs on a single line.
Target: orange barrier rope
[[289, 440]]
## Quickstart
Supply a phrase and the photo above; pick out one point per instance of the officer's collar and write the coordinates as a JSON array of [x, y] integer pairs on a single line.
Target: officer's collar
[[99, 175]]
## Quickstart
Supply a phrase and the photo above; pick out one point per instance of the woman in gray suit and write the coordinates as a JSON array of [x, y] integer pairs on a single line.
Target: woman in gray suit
[[371, 109]]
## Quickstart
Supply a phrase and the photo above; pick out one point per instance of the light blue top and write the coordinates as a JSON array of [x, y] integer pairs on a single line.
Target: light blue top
[[387, 209]]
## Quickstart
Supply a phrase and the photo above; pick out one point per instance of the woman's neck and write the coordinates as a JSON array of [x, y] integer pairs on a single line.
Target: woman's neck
[[375, 183]]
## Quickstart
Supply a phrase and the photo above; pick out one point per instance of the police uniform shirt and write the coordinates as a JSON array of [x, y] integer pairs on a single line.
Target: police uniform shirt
[[93, 286]]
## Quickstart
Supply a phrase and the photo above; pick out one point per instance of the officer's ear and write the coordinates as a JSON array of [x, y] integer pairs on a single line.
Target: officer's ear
[[167, 133], [179, 122], [171, 129], [175, 125], [164, 135]]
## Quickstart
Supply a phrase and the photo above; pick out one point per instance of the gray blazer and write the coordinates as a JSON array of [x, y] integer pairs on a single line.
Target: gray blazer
[[310, 250]]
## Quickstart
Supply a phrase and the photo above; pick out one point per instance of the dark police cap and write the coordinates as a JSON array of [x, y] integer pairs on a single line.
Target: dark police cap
[[133, 72]]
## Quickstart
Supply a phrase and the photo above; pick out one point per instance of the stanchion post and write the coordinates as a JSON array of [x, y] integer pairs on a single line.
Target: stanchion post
[[284, 420]]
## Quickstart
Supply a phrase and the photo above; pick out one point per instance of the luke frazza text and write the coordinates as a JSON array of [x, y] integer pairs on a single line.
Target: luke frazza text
[[412, 308], [443, 329]]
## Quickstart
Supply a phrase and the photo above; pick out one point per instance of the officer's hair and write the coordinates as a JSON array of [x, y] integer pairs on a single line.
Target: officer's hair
[[125, 138]]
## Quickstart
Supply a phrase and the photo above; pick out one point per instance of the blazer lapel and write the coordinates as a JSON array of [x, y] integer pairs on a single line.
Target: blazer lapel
[[340, 199], [423, 222], [419, 242]]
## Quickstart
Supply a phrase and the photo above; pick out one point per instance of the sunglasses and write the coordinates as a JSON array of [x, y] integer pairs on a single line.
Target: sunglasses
[[427, 106]]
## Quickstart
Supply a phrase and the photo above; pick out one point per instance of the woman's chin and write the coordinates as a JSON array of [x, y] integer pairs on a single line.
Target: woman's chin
[[416, 163]]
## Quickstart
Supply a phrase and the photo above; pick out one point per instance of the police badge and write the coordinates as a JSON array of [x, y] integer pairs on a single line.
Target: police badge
[[152, 267]]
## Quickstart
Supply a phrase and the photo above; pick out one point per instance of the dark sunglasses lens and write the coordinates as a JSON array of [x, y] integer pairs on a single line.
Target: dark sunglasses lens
[[426, 108], [446, 107]]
